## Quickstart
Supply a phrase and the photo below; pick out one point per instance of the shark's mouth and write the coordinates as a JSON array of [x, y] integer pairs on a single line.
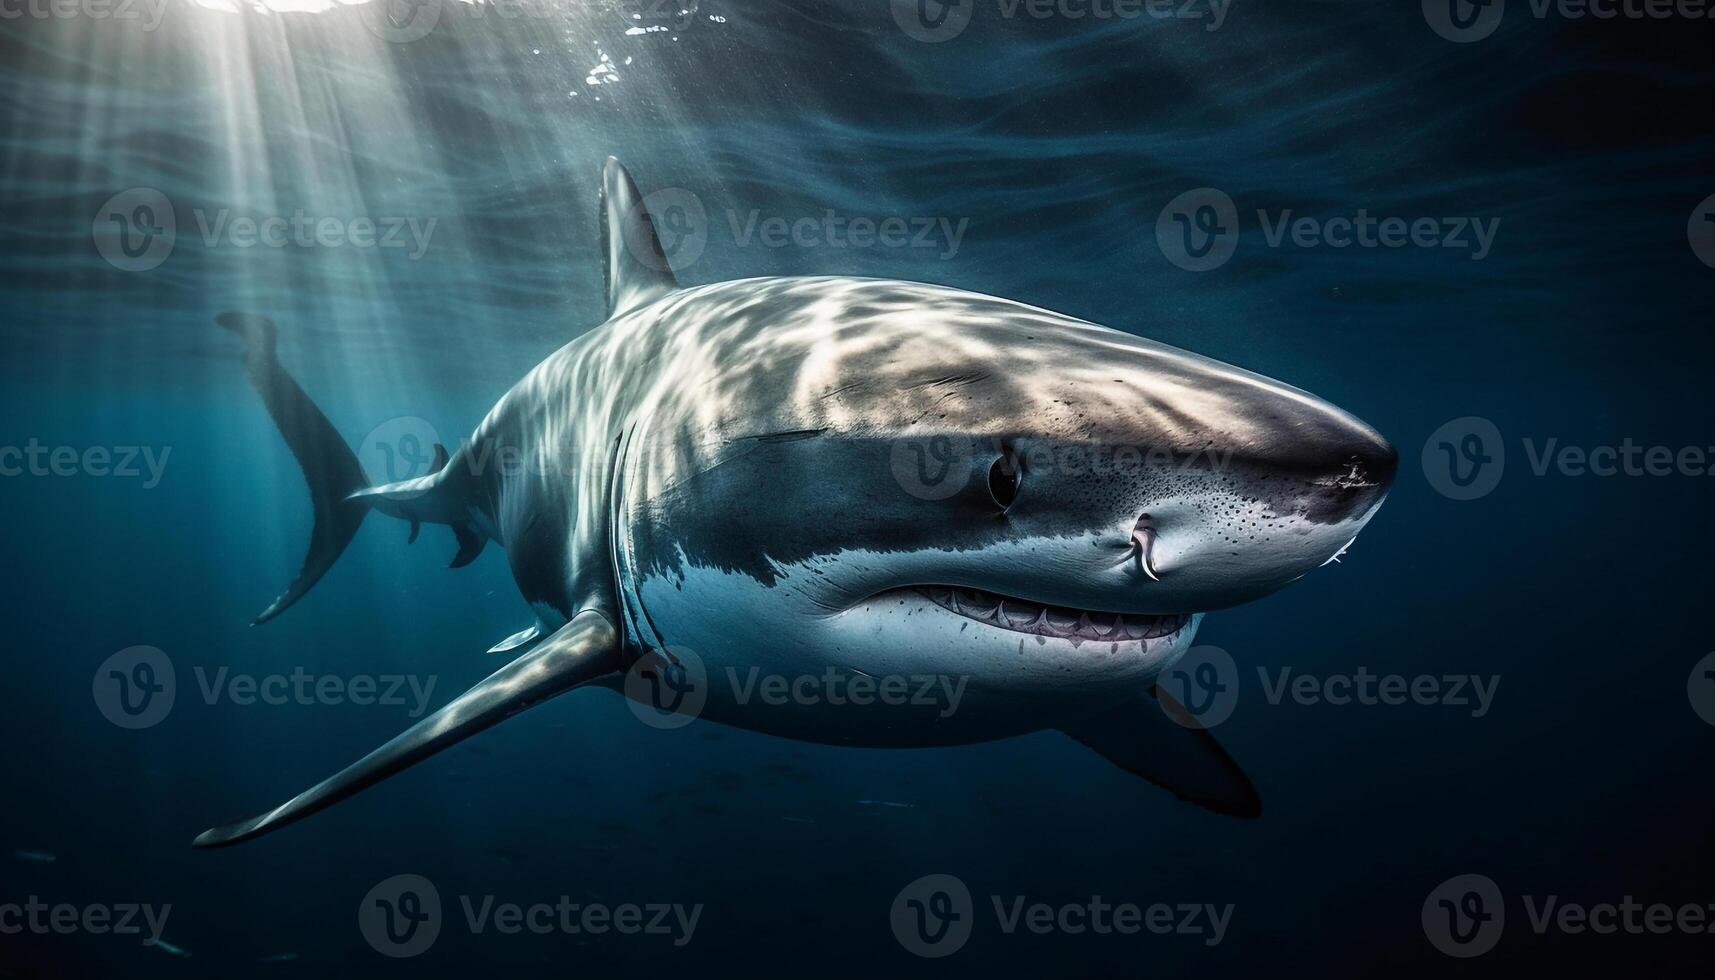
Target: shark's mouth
[[1025, 616]]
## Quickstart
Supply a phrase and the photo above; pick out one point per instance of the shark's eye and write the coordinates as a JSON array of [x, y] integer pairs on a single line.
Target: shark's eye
[[1004, 478]]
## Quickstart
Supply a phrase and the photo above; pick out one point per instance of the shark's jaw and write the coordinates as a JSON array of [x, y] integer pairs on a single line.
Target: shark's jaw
[[1027, 616]]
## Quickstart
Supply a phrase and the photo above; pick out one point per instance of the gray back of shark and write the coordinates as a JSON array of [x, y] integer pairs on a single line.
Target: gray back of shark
[[860, 512]]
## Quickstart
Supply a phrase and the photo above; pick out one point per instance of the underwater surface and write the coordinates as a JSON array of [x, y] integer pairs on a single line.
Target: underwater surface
[[429, 173]]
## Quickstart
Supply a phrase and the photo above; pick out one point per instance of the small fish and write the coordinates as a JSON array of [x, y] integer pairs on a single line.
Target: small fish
[[902, 806], [37, 857], [797, 820], [279, 958], [166, 947]]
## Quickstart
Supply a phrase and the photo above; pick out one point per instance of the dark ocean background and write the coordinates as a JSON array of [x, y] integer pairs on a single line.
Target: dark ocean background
[[1060, 141]]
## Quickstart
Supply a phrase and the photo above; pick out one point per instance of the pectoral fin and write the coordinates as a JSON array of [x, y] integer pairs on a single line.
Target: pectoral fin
[[470, 545], [582, 650], [1180, 756]]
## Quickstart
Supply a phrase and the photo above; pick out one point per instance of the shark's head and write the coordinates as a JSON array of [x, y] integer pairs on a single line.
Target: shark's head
[[899, 478]]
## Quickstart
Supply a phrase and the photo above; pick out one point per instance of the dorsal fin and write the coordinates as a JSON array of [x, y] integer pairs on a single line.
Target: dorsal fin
[[637, 272], [442, 458]]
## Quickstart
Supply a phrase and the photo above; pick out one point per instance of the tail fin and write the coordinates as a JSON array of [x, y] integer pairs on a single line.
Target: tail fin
[[330, 467]]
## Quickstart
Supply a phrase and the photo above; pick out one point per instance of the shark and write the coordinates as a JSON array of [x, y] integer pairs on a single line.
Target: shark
[[862, 481]]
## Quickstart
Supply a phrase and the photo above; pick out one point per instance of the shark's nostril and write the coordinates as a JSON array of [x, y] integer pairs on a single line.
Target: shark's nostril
[[1143, 545]]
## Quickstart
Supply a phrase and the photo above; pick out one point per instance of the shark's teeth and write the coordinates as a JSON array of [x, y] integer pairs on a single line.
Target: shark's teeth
[[980, 605], [1062, 621], [1023, 616], [1101, 624]]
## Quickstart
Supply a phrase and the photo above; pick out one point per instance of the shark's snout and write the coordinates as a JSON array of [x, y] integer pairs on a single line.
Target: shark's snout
[[1288, 498], [1346, 465]]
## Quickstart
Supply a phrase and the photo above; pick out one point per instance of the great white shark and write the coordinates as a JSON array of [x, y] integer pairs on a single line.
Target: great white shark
[[836, 477]]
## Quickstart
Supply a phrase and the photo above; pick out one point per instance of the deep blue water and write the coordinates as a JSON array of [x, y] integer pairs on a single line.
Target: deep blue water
[[1060, 142]]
